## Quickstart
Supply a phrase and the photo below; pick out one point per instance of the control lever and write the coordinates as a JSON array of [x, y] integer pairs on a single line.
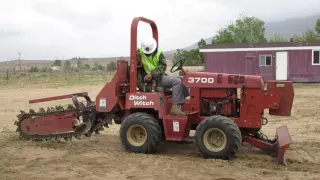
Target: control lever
[[153, 87]]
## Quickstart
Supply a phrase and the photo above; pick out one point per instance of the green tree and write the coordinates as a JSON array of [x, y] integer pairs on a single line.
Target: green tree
[[309, 36], [177, 55], [97, 66], [277, 38], [201, 43], [297, 38], [34, 69], [317, 28], [57, 63], [112, 66], [224, 36], [244, 30], [79, 64], [87, 66], [193, 57], [66, 66]]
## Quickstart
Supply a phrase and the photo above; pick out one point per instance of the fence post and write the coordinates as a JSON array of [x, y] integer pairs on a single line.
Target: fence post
[[7, 76]]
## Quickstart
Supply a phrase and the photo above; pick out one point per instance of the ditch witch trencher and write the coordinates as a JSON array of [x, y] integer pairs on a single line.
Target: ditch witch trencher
[[224, 109]]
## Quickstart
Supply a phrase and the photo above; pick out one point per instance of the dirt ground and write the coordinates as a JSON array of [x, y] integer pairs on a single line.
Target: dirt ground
[[102, 157]]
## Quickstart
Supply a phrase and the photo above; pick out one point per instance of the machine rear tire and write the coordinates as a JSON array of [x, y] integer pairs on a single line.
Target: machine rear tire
[[150, 129], [228, 132]]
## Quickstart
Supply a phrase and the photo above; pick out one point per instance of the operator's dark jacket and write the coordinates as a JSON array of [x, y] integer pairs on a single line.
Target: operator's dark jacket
[[158, 72]]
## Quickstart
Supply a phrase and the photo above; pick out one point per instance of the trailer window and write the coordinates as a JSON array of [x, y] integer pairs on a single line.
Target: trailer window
[[265, 60], [316, 58]]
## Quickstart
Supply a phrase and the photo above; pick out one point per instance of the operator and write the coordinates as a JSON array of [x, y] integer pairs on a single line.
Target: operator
[[153, 67]]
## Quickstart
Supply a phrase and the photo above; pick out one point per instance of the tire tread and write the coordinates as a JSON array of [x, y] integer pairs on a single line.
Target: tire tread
[[232, 131], [152, 126]]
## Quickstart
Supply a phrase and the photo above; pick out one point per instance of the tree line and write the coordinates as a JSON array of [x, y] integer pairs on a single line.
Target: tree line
[[246, 29], [66, 66]]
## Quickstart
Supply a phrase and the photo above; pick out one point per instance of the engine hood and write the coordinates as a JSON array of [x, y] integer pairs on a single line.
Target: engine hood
[[221, 80]]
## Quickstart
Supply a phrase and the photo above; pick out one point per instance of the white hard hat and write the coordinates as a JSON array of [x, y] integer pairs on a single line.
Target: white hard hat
[[149, 45]]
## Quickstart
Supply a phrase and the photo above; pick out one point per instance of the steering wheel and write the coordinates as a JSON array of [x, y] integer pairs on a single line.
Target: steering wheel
[[181, 61]]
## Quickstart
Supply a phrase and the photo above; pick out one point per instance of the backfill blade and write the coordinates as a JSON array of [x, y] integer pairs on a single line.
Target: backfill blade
[[283, 142]]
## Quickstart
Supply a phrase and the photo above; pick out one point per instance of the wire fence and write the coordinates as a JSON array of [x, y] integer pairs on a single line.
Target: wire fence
[[67, 78]]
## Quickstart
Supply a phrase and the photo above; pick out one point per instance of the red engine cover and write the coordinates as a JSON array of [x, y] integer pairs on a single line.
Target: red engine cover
[[220, 80]]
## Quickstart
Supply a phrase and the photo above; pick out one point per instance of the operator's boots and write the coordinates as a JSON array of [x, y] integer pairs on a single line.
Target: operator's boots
[[176, 111]]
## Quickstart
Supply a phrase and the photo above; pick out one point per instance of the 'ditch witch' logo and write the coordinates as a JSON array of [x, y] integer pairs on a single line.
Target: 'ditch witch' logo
[[140, 100]]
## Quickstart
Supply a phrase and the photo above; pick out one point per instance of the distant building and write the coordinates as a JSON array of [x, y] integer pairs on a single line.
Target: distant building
[[295, 61]]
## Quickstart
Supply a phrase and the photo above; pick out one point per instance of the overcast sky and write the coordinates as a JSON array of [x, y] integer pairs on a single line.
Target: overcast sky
[[49, 29]]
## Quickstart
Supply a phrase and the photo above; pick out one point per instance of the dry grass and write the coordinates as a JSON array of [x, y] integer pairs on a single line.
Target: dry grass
[[46, 79]]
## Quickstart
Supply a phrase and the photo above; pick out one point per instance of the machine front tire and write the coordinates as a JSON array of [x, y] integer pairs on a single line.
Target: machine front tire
[[228, 138], [146, 127]]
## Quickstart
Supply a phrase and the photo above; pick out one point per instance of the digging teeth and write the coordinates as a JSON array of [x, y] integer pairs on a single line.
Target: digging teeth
[[77, 136], [70, 107], [19, 116], [41, 110], [31, 111], [88, 134], [59, 108]]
